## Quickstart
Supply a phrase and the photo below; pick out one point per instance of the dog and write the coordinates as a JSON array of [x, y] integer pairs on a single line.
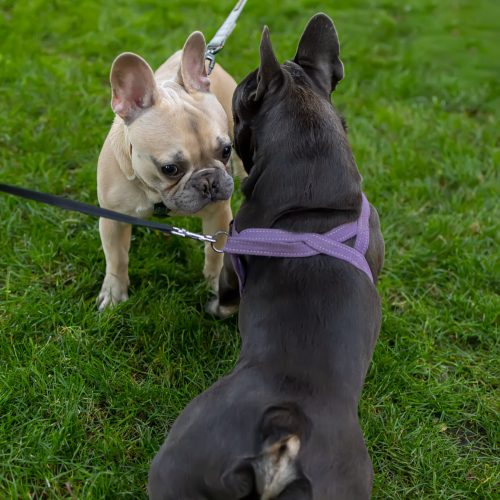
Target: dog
[[170, 144], [284, 424]]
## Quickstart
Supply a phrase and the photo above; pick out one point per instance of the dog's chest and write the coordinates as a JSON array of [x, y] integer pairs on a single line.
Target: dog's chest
[[145, 202]]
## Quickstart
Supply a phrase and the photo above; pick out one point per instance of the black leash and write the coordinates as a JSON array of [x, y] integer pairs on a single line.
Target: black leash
[[94, 211], [213, 47], [217, 43]]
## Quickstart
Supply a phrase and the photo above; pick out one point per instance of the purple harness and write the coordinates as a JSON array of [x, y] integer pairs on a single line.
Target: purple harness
[[279, 243]]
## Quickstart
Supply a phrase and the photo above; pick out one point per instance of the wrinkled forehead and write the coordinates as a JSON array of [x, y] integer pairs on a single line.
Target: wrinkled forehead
[[193, 129], [204, 106], [204, 116]]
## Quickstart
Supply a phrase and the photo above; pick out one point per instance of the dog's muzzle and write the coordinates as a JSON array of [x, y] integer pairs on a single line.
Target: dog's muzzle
[[213, 184], [204, 187]]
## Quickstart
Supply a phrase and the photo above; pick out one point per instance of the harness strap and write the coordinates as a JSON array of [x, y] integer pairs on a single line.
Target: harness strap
[[280, 243], [363, 229]]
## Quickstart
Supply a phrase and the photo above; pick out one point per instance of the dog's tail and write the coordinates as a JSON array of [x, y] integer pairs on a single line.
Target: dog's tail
[[275, 472]]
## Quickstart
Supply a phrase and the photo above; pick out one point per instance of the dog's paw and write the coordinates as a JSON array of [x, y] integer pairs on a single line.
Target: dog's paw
[[215, 309], [113, 291]]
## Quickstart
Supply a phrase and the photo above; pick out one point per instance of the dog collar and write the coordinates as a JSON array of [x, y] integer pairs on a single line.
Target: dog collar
[[160, 210], [279, 243]]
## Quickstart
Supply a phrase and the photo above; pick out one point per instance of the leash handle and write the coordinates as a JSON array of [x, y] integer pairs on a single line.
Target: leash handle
[[94, 211], [217, 43]]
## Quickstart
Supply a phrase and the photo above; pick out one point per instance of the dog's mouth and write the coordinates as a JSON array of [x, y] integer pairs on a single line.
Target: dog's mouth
[[185, 207]]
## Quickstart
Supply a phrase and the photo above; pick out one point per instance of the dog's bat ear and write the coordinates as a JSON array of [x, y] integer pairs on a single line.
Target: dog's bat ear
[[133, 86], [318, 53], [193, 71], [270, 72], [239, 480]]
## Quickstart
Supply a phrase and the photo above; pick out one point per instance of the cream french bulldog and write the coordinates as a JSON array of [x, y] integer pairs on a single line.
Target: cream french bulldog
[[170, 143]]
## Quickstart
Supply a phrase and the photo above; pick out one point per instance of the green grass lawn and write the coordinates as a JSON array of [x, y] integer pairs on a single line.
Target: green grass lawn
[[86, 398]]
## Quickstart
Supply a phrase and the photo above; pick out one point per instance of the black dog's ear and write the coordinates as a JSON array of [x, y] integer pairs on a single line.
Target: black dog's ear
[[239, 480], [270, 72], [318, 53]]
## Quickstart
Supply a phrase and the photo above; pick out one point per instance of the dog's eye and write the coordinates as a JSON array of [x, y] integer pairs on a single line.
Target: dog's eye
[[170, 170], [226, 152]]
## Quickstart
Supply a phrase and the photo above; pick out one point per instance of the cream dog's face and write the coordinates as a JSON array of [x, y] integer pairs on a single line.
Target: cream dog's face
[[177, 130]]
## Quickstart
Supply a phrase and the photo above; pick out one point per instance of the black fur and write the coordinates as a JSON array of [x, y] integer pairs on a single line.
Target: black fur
[[308, 325]]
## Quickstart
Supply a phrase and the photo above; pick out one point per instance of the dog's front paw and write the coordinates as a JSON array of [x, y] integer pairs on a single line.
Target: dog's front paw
[[213, 307], [113, 291]]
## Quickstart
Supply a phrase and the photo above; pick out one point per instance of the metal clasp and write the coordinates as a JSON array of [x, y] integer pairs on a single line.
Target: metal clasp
[[207, 238], [210, 57], [216, 236], [184, 233]]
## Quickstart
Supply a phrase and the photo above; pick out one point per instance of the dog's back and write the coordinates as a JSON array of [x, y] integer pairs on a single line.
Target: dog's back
[[284, 424]]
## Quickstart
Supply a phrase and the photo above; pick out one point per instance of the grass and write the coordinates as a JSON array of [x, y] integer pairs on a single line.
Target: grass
[[85, 399]]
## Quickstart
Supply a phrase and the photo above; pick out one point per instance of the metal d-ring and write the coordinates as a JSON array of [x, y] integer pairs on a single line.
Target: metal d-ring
[[212, 243]]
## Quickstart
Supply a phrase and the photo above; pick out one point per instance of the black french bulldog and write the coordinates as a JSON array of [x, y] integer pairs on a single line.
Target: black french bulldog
[[284, 424]]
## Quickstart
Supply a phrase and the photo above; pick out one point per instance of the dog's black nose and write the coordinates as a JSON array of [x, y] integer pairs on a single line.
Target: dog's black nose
[[209, 187], [213, 185]]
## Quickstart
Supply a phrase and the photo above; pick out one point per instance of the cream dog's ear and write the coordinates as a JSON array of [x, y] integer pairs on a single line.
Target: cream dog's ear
[[193, 72], [133, 86]]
